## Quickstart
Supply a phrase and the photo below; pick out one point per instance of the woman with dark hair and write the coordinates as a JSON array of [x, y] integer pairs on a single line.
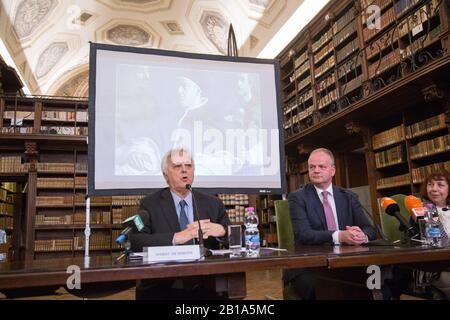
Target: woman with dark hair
[[435, 189]]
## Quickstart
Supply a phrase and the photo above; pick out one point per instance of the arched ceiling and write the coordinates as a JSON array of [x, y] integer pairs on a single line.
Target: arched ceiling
[[49, 39]]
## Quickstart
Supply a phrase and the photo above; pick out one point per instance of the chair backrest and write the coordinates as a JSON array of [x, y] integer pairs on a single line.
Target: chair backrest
[[390, 224], [285, 232]]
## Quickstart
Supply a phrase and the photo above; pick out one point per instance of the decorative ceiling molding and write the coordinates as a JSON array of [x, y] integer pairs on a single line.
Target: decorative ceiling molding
[[172, 27], [146, 6], [75, 86], [50, 57], [128, 35], [215, 28], [35, 31], [264, 4], [30, 14]]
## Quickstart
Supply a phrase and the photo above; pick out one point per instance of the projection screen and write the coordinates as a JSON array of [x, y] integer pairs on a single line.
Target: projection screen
[[225, 110]]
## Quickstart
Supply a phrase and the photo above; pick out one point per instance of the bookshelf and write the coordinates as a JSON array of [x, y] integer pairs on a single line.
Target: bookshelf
[[267, 220], [380, 95], [341, 57], [10, 209], [44, 147]]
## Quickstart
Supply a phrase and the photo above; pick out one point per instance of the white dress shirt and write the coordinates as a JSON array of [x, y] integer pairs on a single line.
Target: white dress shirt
[[330, 197]]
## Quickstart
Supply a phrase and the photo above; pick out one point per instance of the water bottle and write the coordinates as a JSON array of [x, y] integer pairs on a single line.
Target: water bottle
[[3, 256], [432, 229], [252, 242]]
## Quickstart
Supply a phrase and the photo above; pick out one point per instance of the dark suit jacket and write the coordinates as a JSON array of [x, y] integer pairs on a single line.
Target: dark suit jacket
[[309, 223], [162, 221], [308, 216]]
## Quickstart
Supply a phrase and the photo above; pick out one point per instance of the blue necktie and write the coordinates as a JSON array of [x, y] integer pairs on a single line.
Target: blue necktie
[[183, 216]]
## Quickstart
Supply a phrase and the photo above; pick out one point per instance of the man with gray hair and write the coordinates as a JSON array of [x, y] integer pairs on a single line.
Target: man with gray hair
[[322, 213], [171, 219]]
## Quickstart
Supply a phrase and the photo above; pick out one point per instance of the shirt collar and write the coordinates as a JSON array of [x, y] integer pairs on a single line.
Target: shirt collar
[[329, 189], [177, 199]]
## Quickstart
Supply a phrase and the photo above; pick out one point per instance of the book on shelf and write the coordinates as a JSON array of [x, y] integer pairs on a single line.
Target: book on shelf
[[6, 222], [63, 130], [349, 66], [301, 59], [80, 116], [346, 18], [430, 147], [325, 83], [127, 200], [234, 199], [344, 33], [328, 98], [351, 85], [236, 214], [389, 157], [385, 19], [11, 115], [396, 181], [120, 214], [299, 71], [323, 52], [326, 36], [388, 137], [421, 43], [389, 39], [6, 209], [328, 64], [43, 220], [389, 60], [347, 50], [55, 167], [55, 182], [12, 164], [420, 174], [426, 126]]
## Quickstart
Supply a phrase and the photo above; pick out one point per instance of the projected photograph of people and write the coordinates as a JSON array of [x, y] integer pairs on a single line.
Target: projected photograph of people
[[219, 121]]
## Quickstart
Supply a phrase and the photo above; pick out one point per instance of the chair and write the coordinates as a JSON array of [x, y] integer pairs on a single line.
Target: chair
[[286, 240], [389, 224]]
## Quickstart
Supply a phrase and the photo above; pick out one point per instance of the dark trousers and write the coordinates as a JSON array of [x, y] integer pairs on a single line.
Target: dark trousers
[[304, 284]]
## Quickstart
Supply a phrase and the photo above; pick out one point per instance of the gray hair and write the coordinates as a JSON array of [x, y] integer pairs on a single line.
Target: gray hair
[[168, 155], [324, 150]]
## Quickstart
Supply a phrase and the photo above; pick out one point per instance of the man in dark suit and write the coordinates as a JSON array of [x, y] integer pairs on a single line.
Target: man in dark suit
[[322, 213], [171, 221]]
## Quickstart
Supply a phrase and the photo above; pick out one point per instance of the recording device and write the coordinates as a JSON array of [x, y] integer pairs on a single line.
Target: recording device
[[391, 207], [203, 251], [415, 207], [132, 223]]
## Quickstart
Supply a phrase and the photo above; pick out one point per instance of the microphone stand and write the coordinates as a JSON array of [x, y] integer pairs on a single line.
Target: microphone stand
[[203, 251]]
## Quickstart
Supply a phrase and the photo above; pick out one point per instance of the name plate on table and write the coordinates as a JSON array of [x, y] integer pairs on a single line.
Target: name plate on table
[[172, 253]]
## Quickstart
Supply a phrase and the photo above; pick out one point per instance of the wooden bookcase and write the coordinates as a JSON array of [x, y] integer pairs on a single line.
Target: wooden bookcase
[[44, 146], [372, 82]]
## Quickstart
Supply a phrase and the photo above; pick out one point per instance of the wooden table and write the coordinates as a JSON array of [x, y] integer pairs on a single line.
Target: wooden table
[[102, 272], [98, 270]]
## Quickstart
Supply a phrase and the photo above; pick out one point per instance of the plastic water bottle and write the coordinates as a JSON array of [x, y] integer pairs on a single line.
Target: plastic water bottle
[[432, 229], [3, 256], [252, 242]]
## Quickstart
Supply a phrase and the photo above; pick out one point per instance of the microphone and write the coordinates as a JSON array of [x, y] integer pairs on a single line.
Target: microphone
[[203, 251], [133, 222], [415, 207], [391, 207]]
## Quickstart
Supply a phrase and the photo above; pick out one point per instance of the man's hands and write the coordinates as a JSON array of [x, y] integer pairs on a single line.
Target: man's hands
[[352, 235], [209, 229]]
